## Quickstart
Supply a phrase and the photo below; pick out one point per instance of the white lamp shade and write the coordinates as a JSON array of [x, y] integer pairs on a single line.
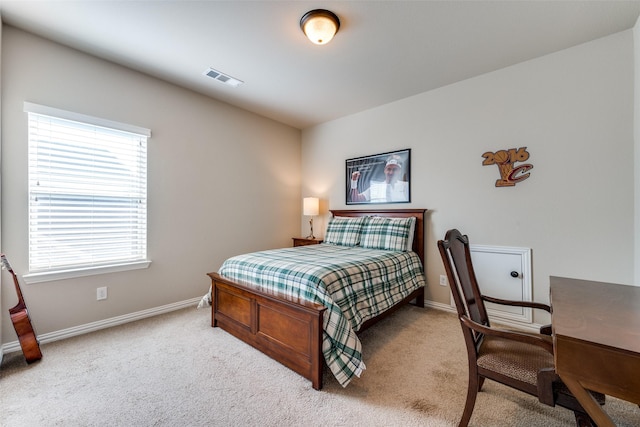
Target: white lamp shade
[[311, 206]]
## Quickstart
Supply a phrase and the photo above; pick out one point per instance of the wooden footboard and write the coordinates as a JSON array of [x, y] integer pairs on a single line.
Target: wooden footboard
[[286, 329]]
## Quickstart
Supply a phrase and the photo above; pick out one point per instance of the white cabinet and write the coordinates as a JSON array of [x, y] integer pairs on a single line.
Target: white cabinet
[[504, 272]]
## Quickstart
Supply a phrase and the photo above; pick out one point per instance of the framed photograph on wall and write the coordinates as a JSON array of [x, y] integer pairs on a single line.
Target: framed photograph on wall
[[381, 178]]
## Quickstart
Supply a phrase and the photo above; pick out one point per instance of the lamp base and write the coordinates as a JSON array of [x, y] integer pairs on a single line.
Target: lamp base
[[310, 236]]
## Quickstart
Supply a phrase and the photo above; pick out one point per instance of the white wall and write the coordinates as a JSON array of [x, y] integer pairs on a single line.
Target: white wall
[[573, 110], [636, 137], [221, 181], [1, 281]]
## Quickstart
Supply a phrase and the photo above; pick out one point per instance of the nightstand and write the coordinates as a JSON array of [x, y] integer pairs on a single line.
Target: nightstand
[[303, 241]]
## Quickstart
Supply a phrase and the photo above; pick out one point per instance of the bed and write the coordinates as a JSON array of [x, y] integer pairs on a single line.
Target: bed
[[305, 320]]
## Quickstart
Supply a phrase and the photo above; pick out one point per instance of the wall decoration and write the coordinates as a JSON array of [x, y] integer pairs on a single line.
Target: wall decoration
[[381, 178], [505, 159]]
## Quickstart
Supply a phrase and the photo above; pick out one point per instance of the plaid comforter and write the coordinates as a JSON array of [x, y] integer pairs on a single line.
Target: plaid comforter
[[355, 284]]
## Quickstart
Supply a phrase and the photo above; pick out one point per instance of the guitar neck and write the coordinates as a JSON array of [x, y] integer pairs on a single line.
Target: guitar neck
[[7, 266]]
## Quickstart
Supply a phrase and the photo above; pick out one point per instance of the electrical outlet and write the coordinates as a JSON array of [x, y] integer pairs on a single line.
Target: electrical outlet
[[443, 280], [101, 293]]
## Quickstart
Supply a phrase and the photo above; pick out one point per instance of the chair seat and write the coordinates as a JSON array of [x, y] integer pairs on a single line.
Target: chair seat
[[520, 361]]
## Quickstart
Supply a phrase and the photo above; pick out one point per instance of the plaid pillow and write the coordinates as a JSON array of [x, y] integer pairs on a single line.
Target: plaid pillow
[[344, 231], [393, 234]]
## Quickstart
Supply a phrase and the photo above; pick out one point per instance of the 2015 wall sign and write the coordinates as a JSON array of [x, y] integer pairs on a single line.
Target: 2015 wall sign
[[505, 159]]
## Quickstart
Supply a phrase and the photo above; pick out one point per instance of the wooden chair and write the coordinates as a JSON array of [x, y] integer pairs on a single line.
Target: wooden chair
[[521, 360]]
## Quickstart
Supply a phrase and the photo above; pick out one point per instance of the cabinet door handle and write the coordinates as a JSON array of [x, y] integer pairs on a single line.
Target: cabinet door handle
[[515, 274]]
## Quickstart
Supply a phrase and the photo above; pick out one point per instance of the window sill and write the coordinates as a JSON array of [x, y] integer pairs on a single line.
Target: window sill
[[81, 272]]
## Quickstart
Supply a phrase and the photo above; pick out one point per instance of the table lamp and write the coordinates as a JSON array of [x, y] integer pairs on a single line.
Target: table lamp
[[310, 207]]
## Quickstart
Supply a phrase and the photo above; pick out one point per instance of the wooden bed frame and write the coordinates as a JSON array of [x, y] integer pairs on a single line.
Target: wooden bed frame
[[288, 329]]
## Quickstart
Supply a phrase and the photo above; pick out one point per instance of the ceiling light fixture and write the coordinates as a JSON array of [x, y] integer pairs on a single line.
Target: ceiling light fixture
[[320, 25]]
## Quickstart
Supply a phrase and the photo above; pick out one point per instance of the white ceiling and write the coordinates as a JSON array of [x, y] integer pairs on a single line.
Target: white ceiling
[[384, 51]]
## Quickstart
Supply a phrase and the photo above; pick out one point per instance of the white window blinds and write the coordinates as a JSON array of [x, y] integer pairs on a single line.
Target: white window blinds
[[87, 191]]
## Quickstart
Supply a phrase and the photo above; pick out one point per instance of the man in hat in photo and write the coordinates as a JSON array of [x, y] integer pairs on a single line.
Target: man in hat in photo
[[391, 190]]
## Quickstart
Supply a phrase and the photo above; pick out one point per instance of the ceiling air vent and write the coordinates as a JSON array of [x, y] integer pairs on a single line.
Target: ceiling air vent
[[221, 77]]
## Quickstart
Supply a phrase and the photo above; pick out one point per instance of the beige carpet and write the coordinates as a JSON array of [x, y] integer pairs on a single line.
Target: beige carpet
[[175, 370]]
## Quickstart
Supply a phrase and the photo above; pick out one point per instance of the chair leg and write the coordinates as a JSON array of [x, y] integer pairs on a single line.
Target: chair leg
[[583, 420], [475, 383]]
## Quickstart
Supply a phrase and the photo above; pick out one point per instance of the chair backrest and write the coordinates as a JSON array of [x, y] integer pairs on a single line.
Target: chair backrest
[[456, 256]]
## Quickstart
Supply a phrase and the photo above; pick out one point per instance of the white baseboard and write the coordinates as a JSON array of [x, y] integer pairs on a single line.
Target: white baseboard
[[439, 306], [103, 324], [534, 327]]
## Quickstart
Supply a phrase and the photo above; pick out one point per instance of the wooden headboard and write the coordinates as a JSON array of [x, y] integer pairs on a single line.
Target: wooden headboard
[[418, 235]]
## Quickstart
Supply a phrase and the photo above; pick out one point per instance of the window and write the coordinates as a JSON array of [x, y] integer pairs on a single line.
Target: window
[[87, 195]]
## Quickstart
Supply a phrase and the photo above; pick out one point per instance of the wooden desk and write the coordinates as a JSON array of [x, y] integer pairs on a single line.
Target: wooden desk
[[596, 337]]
